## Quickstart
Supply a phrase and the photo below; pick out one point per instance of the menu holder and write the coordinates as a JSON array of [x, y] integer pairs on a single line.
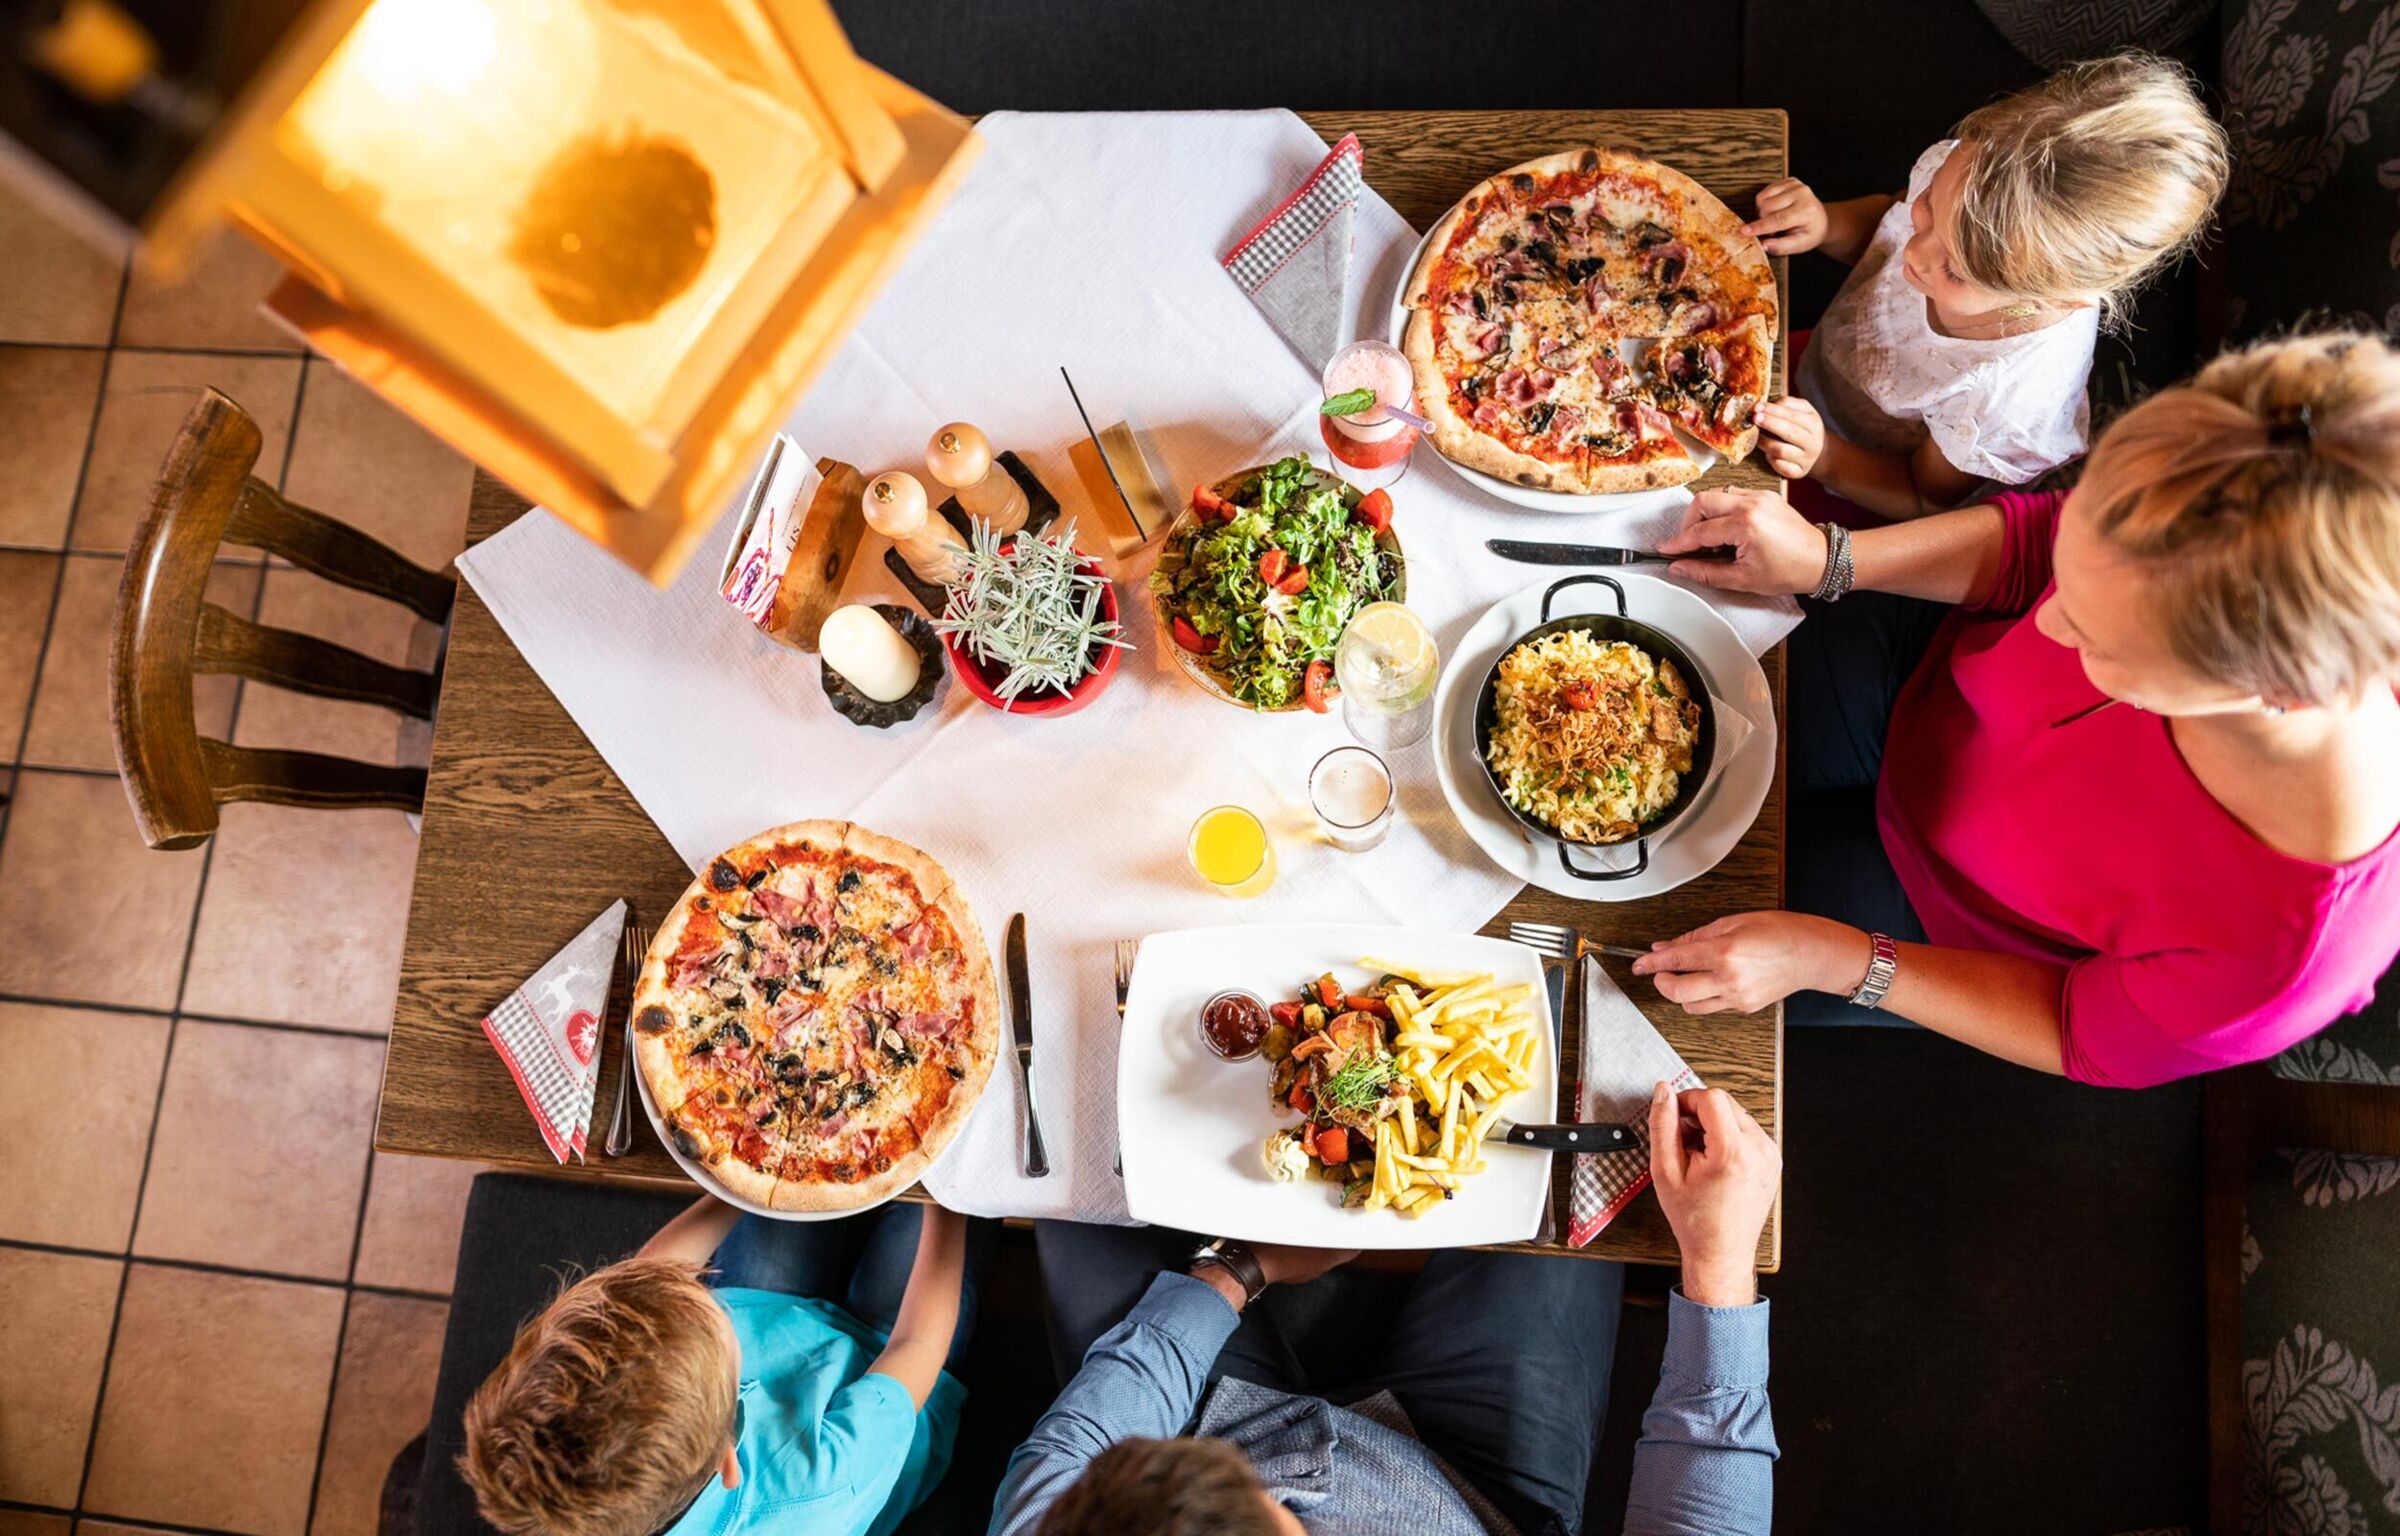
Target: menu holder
[[1041, 510]]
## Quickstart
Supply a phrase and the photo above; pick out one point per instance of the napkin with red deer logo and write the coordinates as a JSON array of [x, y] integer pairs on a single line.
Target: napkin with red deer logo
[[548, 1032]]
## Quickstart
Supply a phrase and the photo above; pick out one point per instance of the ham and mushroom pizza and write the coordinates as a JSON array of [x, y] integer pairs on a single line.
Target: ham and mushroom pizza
[[816, 1017], [1571, 312]]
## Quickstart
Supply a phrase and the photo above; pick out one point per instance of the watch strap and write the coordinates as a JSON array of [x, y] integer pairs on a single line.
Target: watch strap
[[1883, 964], [1236, 1260]]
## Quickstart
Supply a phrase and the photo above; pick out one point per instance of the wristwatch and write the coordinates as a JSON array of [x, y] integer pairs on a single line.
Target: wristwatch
[[1236, 1260], [1884, 964]]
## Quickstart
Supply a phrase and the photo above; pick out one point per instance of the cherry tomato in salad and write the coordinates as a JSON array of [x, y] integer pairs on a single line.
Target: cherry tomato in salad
[[1375, 509], [1295, 581], [1191, 639], [1272, 565], [1210, 504], [1313, 693]]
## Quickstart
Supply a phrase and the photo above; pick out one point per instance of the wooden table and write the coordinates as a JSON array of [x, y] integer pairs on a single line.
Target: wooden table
[[527, 833]]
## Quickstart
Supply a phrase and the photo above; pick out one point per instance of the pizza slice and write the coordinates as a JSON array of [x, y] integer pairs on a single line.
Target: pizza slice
[[1711, 382]]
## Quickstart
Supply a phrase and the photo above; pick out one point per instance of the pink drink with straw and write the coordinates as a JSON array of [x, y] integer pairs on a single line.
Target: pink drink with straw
[[1372, 438]]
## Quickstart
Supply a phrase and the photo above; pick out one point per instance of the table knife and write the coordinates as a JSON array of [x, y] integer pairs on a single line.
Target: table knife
[[1531, 552], [1020, 1005], [1584, 1136]]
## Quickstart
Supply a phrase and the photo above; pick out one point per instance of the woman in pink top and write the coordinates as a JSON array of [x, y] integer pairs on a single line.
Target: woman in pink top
[[2197, 877]]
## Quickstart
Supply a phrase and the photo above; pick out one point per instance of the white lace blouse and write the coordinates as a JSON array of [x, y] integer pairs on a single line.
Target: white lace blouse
[[2004, 409]]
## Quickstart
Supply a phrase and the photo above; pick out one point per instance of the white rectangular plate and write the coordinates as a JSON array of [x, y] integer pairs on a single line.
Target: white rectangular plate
[[1192, 1124]]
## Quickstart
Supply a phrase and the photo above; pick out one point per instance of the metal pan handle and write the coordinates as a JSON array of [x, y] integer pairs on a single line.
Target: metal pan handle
[[1641, 848], [1557, 587]]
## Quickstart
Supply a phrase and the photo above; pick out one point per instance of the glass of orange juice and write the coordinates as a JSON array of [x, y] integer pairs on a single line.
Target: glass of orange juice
[[1230, 850]]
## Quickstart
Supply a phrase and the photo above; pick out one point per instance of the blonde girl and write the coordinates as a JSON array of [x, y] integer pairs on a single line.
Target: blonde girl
[[1955, 354]]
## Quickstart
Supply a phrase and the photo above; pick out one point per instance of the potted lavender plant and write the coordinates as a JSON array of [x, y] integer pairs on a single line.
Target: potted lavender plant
[[1030, 622]]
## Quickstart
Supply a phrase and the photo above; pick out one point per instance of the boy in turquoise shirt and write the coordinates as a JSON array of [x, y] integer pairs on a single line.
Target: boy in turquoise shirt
[[733, 1372]]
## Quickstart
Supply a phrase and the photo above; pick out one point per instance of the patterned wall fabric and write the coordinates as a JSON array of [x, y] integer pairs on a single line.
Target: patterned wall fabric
[[2321, 1346], [2056, 32], [2312, 218]]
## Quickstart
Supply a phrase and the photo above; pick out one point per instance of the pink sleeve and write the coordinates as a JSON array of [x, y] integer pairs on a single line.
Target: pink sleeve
[[2029, 527], [2135, 1021]]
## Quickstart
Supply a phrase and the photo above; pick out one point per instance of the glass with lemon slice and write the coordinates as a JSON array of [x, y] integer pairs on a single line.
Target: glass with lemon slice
[[1231, 851], [1387, 664]]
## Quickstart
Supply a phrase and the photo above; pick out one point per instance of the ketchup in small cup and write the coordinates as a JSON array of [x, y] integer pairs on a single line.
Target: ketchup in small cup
[[1233, 1023]]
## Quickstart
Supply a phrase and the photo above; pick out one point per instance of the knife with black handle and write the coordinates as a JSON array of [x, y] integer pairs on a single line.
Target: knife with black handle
[[1531, 552], [1020, 1007], [1587, 1136]]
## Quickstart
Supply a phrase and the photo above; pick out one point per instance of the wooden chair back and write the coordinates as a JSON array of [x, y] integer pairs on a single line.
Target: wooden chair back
[[166, 630]]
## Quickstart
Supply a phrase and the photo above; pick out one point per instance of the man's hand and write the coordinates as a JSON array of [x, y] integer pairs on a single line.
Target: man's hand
[[1791, 218], [1775, 550], [1745, 962], [1716, 1172], [1791, 436]]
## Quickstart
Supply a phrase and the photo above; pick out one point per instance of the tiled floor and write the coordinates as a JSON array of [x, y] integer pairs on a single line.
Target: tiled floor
[[211, 1319]]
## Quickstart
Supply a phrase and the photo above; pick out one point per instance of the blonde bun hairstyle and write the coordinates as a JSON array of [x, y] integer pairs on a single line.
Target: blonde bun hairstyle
[[2263, 500], [2084, 186]]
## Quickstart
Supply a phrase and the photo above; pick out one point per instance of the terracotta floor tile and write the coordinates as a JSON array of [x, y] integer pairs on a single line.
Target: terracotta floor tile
[[148, 395], [61, 287], [216, 1397], [381, 1400], [272, 945], [276, 717], [215, 305], [358, 459], [230, 1185], [28, 1522], [78, 1189], [91, 914], [46, 400], [26, 582], [70, 727], [53, 1341], [414, 1208]]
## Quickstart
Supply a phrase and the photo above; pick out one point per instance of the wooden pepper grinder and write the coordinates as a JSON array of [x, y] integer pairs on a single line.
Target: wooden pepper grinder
[[959, 456], [896, 508]]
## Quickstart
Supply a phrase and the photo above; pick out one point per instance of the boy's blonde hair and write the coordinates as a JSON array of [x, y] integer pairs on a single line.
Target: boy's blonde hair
[[2263, 499], [611, 1410], [2087, 184]]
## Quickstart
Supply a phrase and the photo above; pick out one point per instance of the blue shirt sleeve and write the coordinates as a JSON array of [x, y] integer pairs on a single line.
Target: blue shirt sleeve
[[1705, 1463], [1141, 1378]]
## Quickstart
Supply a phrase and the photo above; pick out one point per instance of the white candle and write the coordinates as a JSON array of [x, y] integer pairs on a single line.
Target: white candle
[[897, 509], [960, 457], [861, 644]]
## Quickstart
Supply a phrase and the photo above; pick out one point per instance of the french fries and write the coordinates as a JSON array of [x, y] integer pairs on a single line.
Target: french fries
[[1462, 1043]]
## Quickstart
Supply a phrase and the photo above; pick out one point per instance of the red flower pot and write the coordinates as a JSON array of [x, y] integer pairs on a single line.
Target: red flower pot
[[984, 682]]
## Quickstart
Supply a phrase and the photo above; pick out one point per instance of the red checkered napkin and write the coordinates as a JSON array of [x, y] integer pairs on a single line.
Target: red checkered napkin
[[1623, 1059], [1296, 264], [548, 1032]]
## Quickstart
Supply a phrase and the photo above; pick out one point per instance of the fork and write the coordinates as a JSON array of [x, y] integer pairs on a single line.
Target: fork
[[632, 946], [1126, 950], [1563, 943]]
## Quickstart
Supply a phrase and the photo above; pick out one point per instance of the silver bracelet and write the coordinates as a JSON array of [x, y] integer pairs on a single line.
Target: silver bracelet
[[1883, 964], [1839, 571]]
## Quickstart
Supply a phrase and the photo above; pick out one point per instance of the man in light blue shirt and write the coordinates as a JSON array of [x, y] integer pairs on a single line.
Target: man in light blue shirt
[[1152, 1436]]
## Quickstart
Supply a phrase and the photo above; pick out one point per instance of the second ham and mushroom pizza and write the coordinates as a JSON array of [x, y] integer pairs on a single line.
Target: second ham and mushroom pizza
[[1571, 312], [816, 1017]]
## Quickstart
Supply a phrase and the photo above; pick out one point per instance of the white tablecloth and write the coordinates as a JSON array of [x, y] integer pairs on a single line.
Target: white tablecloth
[[1090, 241]]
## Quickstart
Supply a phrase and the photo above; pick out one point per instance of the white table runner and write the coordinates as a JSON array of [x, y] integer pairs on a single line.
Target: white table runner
[[1092, 241]]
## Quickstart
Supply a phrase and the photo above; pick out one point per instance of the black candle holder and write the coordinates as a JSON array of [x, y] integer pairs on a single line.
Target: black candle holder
[[858, 709]]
